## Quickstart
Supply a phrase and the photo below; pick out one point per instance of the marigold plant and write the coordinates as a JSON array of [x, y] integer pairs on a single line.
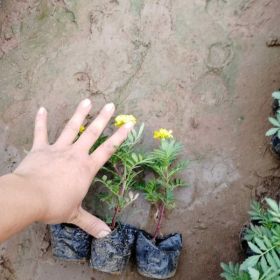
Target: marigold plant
[[263, 239], [121, 173], [159, 191]]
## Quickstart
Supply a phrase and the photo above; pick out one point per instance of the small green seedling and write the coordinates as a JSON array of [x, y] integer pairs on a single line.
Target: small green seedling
[[121, 173], [159, 191], [264, 242]]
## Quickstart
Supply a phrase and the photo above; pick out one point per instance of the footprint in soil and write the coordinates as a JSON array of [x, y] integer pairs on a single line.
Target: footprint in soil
[[220, 54], [6, 270]]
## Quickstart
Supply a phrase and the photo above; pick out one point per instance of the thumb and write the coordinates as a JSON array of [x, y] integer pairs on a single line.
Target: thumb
[[91, 224]]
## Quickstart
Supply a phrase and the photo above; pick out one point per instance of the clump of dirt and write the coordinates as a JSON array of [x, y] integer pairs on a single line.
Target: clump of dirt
[[46, 243], [268, 186], [6, 270]]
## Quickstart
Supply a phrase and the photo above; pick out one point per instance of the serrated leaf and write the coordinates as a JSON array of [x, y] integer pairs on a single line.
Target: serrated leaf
[[274, 122], [250, 262], [272, 131], [254, 274], [260, 243], [275, 220], [264, 264], [272, 204], [254, 248], [275, 258], [271, 261], [266, 241]]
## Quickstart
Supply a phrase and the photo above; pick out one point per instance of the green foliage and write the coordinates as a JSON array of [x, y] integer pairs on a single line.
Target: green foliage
[[276, 120], [98, 142], [233, 272], [264, 240], [276, 125], [257, 213], [276, 95], [161, 188], [120, 174]]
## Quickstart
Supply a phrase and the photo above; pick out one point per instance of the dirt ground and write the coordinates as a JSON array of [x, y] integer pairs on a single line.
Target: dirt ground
[[203, 68]]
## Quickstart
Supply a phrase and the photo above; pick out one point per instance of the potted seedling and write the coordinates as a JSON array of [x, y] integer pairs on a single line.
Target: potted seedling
[[274, 133], [276, 101], [156, 255], [263, 240], [258, 217], [120, 177], [68, 241]]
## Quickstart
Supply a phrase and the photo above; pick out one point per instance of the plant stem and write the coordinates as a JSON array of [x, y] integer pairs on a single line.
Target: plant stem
[[121, 193], [160, 216], [117, 210]]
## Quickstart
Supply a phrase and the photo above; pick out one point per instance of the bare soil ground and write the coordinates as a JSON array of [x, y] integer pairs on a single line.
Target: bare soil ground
[[203, 68]]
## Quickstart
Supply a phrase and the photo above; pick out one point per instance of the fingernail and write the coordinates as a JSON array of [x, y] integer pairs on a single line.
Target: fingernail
[[129, 125], [42, 110], [102, 234], [86, 102], [109, 106]]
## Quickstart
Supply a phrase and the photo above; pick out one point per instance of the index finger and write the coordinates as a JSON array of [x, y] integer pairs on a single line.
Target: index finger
[[101, 155]]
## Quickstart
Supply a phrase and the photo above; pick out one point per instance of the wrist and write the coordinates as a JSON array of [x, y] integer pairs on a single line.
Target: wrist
[[22, 204], [32, 198]]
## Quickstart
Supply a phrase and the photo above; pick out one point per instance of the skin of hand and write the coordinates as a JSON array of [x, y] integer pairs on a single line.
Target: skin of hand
[[55, 178]]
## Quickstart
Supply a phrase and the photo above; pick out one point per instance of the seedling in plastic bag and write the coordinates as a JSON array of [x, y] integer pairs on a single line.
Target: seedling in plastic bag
[[122, 171], [160, 190]]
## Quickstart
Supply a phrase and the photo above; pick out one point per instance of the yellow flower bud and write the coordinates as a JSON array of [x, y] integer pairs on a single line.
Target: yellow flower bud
[[163, 133], [120, 120]]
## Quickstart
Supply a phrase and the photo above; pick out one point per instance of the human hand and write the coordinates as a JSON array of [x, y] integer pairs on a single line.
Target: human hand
[[61, 173]]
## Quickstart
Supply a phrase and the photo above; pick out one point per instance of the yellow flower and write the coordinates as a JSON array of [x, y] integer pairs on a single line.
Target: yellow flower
[[163, 133], [82, 129], [120, 120]]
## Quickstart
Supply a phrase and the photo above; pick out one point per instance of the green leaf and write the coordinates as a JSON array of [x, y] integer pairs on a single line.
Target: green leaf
[[272, 275], [260, 243], [255, 275], [271, 261], [254, 248], [272, 131], [267, 241], [134, 157], [272, 204], [278, 115], [141, 129], [264, 264], [233, 272], [266, 273], [275, 258], [274, 122], [276, 94], [250, 262]]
